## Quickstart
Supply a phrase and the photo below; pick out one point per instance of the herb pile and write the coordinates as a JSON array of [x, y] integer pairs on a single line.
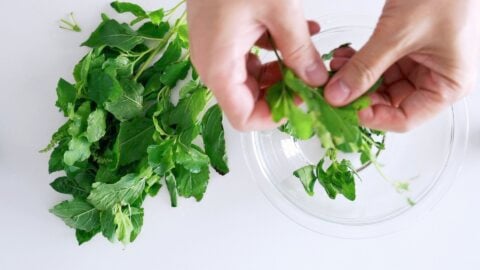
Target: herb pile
[[124, 138]]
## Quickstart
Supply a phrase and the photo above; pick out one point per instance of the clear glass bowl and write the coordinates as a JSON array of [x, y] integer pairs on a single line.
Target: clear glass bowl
[[428, 157]]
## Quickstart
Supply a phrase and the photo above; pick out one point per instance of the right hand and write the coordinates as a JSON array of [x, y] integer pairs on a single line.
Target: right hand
[[222, 34]]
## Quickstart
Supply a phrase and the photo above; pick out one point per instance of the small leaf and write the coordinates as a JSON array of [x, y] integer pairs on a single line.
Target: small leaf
[[78, 150], [103, 86], [191, 158], [306, 175], [160, 157], [192, 184], [185, 114], [67, 185], [96, 125], [172, 188], [55, 162], [156, 16], [124, 226], [111, 33], [66, 94], [136, 216], [84, 236], [155, 31], [108, 226], [125, 191], [77, 214], [133, 139], [124, 7], [175, 72], [130, 104], [171, 55], [214, 139]]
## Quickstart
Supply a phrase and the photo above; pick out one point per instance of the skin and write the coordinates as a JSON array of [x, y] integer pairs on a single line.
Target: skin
[[427, 51]]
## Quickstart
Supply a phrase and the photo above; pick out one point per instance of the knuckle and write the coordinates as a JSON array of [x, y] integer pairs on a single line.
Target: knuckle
[[300, 54], [365, 76]]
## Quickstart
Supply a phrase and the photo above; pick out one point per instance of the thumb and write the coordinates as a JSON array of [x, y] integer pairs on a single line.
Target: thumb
[[292, 38], [363, 69]]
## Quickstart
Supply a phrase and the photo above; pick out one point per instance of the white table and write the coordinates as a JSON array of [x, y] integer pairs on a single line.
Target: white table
[[234, 227]]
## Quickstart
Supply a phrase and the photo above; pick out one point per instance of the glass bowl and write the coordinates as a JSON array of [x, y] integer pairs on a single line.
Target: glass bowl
[[428, 158]]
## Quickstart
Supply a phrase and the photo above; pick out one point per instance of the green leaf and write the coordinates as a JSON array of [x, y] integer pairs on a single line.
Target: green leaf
[[124, 226], [96, 125], [55, 162], [171, 55], [338, 178], [78, 150], [133, 139], [106, 175], [301, 123], [66, 94], [77, 214], [182, 32], [125, 191], [187, 136], [189, 88], [175, 72], [172, 188], [153, 185], [84, 236], [341, 124], [307, 177], [185, 114], [67, 185], [103, 86], [214, 139], [122, 66], [79, 119], [153, 31], [156, 16], [111, 33], [124, 7], [107, 224], [325, 180], [278, 101], [136, 216], [290, 130], [130, 104], [58, 137], [160, 157], [192, 184], [80, 72], [191, 158]]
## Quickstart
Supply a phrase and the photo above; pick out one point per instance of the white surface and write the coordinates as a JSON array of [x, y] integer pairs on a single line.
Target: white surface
[[233, 228]]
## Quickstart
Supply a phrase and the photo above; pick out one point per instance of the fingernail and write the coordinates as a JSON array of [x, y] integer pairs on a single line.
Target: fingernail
[[316, 74], [337, 93]]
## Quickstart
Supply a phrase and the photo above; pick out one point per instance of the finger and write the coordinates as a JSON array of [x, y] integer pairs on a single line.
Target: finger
[[346, 52], [421, 104], [338, 62], [363, 70], [264, 41], [289, 30]]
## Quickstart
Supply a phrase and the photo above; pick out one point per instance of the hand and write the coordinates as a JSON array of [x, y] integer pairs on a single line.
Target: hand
[[428, 53], [222, 34]]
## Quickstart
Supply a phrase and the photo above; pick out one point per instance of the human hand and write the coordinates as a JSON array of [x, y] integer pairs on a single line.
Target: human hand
[[222, 34], [428, 52]]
